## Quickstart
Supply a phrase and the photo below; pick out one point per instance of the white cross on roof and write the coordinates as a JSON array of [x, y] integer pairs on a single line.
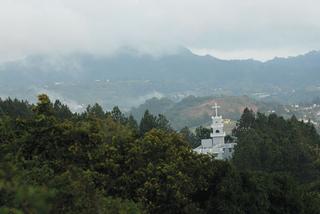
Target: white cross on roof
[[216, 107]]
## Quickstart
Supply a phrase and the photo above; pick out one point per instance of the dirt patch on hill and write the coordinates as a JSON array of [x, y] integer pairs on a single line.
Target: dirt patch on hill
[[227, 109]]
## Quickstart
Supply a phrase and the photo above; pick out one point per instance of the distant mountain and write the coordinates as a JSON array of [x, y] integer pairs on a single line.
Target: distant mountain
[[129, 78]]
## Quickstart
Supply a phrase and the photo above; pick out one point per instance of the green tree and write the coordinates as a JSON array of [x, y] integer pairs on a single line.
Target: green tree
[[61, 111], [133, 125], [118, 116], [95, 111], [190, 137], [163, 123], [44, 106], [273, 144], [202, 133], [16, 196], [246, 121], [147, 123], [97, 163]]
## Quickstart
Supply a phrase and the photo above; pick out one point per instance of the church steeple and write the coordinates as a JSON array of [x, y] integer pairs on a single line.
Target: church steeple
[[216, 145], [217, 125]]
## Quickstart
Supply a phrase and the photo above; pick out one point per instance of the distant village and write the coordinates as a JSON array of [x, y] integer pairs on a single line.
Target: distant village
[[308, 113]]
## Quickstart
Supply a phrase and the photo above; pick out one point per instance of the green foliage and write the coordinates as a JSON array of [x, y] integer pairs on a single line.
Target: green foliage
[[120, 206], [251, 192], [133, 125], [16, 196], [54, 161], [118, 116], [190, 137], [15, 108], [62, 111], [44, 106], [273, 144], [95, 111], [203, 133], [149, 122], [163, 123]]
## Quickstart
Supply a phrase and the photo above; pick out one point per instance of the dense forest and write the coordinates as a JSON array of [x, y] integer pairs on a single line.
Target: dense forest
[[56, 161]]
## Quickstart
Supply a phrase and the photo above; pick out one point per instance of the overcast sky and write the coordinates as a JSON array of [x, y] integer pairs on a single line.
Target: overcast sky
[[258, 29]]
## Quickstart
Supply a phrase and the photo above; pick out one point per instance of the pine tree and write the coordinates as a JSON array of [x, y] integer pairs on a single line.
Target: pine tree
[[147, 123]]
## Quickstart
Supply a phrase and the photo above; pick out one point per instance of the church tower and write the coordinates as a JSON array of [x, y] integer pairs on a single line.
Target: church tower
[[217, 126], [215, 145]]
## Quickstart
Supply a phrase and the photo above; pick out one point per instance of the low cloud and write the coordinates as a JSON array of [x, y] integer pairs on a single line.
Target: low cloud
[[152, 26]]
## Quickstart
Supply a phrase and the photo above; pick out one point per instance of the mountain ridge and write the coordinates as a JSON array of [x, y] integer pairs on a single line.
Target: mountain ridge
[[128, 75]]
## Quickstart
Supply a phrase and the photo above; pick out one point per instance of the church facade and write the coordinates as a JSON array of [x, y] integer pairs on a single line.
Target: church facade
[[216, 145]]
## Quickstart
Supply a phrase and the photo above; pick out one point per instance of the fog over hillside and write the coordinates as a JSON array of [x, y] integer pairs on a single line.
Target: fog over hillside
[[128, 78]]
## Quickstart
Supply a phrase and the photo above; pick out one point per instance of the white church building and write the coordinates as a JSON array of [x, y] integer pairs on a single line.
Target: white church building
[[216, 145]]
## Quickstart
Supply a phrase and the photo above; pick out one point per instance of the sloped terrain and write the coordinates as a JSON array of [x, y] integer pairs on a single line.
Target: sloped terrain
[[195, 111]]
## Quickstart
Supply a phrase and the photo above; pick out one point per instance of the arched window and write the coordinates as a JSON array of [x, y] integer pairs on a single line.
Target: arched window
[[217, 131]]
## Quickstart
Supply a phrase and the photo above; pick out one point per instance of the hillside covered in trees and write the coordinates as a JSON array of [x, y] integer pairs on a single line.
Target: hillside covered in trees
[[56, 161]]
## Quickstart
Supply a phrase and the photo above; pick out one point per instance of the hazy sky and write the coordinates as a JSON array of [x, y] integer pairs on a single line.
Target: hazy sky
[[258, 29]]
